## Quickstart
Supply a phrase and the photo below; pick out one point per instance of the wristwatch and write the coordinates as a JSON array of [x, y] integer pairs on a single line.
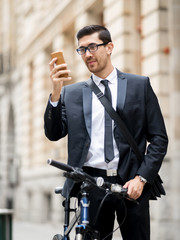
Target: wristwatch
[[142, 179]]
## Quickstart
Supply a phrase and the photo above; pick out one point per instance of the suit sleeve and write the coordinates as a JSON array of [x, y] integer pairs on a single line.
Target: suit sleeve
[[55, 124], [156, 136]]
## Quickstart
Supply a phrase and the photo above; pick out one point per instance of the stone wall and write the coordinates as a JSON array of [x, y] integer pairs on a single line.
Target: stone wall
[[146, 37]]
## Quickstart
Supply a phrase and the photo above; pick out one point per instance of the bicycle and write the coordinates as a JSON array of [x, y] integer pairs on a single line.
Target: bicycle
[[82, 214]]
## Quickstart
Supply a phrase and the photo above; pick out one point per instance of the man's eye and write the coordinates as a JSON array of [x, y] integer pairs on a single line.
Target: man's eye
[[82, 49], [92, 47]]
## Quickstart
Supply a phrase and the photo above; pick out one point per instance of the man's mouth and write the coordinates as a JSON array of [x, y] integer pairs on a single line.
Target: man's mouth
[[91, 62]]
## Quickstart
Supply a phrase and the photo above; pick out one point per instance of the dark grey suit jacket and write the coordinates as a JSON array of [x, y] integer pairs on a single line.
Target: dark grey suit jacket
[[139, 109]]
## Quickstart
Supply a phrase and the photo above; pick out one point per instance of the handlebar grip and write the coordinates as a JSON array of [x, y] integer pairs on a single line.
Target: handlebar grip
[[60, 165], [78, 173], [116, 188]]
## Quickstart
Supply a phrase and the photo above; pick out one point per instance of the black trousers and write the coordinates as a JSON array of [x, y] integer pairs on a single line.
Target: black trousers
[[133, 219]]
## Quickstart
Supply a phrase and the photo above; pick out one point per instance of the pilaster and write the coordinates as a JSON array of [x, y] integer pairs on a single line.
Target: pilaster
[[124, 26]]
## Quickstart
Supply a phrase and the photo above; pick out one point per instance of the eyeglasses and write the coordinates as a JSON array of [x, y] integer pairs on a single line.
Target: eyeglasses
[[91, 48]]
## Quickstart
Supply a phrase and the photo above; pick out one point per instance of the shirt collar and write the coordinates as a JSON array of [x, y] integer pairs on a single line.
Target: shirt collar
[[111, 77]]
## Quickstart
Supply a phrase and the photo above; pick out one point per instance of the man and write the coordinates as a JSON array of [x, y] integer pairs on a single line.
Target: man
[[76, 111]]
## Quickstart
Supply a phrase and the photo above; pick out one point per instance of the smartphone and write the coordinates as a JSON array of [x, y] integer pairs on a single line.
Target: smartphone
[[60, 60]]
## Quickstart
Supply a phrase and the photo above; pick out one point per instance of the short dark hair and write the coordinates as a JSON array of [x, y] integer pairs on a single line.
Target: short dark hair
[[104, 34]]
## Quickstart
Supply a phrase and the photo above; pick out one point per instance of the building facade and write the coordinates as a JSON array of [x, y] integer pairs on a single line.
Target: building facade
[[146, 35]]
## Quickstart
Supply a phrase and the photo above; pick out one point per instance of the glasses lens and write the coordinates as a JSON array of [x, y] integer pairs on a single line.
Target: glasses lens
[[81, 50], [93, 48]]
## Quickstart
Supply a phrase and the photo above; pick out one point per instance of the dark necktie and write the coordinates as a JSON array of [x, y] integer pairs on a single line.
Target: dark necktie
[[108, 137]]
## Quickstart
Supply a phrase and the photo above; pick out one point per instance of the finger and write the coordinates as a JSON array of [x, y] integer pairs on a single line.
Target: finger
[[61, 73], [136, 196], [58, 74], [61, 66], [57, 70], [51, 63], [134, 193], [63, 79], [131, 191], [126, 185]]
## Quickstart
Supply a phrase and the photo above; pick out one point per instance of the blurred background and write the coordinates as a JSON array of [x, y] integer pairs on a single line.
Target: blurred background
[[146, 35]]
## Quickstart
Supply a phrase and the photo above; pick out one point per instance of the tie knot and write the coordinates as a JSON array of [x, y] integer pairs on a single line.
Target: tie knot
[[105, 82]]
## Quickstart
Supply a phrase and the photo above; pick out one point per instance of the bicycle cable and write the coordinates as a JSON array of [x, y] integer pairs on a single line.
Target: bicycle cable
[[99, 209], [125, 215]]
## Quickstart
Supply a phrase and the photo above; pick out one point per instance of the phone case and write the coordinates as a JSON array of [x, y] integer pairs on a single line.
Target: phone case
[[60, 60]]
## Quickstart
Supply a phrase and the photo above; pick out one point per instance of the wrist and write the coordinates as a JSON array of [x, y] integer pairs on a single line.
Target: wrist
[[55, 97]]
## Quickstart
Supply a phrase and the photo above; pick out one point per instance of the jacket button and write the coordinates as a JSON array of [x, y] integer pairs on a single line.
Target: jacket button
[[49, 114]]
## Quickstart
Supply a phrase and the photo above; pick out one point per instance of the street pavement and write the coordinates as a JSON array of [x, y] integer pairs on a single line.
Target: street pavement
[[34, 231], [37, 231]]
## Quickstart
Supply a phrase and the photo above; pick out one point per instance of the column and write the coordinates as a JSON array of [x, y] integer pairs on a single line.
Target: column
[[124, 27], [174, 40], [155, 64]]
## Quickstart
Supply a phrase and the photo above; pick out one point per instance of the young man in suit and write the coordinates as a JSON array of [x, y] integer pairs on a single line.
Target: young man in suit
[[75, 111]]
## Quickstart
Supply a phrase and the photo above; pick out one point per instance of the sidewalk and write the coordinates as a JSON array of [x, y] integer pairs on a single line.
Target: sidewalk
[[33, 231], [37, 231]]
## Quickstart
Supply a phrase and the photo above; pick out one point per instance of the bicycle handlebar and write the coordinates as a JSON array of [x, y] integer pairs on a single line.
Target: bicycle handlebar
[[78, 174], [60, 165]]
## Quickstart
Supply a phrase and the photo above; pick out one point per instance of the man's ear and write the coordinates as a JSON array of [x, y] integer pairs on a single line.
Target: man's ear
[[109, 48]]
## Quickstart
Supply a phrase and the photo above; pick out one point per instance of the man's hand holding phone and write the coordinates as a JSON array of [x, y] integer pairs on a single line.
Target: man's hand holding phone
[[58, 74]]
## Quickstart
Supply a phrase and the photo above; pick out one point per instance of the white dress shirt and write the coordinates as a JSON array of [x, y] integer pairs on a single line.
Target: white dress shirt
[[95, 157]]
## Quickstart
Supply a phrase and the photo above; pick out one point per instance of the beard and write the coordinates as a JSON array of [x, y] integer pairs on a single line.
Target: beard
[[94, 65]]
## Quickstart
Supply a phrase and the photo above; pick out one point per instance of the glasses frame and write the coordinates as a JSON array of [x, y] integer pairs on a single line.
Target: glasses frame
[[88, 48]]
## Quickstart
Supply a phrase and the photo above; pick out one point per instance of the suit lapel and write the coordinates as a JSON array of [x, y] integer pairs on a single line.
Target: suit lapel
[[87, 107], [87, 99], [122, 87]]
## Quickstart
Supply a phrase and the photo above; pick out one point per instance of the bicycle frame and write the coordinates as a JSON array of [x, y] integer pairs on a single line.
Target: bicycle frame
[[83, 226], [82, 215], [67, 210], [66, 219]]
